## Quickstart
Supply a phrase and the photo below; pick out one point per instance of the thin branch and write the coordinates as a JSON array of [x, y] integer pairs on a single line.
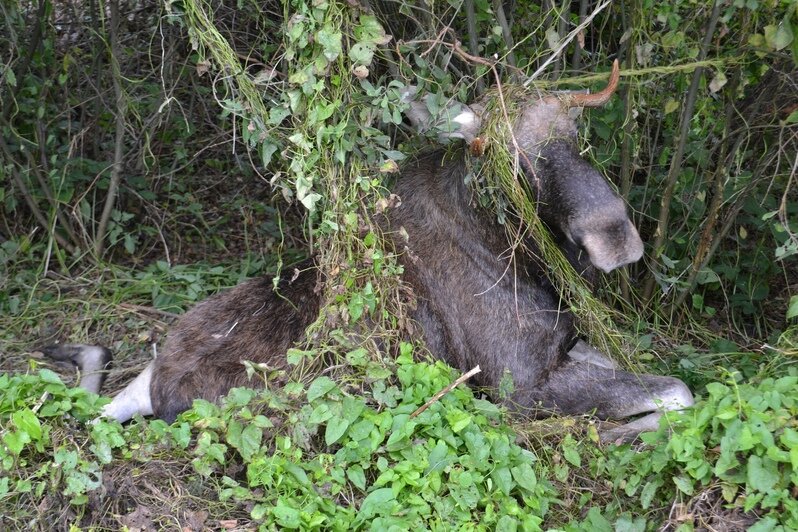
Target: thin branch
[[33, 46], [437, 397], [702, 256], [661, 233], [473, 39], [627, 146], [566, 41], [498, 7], [32, 205], [45, 187], [121, 109], [576, 61]]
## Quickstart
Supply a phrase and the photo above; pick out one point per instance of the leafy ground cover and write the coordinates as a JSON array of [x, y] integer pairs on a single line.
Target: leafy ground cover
[[344, 456], [153, 153]]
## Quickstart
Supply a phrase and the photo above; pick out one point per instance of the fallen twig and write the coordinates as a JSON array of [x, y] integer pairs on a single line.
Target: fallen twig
[[437, 397]]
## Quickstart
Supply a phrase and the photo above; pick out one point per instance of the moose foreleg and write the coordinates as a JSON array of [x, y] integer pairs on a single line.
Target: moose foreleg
[[580, 388]]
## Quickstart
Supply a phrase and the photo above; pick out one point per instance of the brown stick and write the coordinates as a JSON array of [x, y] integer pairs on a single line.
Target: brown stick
[[715, 204], [29, 200], [498, 8], [33, 46], [661, 233], [473, 42], [121, 109], [437, 397]]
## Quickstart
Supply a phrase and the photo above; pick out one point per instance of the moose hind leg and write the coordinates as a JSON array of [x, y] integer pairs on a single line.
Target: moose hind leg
[[579, 387], [134, 399], [91, 360]]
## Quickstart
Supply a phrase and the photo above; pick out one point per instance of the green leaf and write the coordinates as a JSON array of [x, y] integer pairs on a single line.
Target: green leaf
[[320, 414], [356, 475], [684, 484], [320, 387], [356, 306], [267, 149], [286, 516], [330, 40], [362, 53], [525, 476], [11, 79], [458, 419], [16, 441], [570, 453], [648, 492], [598, 523], [487, 408], [26, 421], [762, 474], [438, 458], [49, 377], [792, 308], [336, 428], [371, 31], [380, 501], [352, 407], [251, 438], [779, 37], [298, 473], [503, 479]]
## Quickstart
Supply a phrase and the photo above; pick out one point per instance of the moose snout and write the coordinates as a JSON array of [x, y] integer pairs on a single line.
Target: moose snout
[[609, 244]]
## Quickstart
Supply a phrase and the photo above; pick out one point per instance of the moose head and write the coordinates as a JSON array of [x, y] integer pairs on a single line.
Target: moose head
[[573, 198]]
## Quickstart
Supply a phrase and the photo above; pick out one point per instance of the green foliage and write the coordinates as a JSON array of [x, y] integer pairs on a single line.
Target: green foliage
[[741, 440], [308, 94], [34, 456], [348, 464], [339, 461]]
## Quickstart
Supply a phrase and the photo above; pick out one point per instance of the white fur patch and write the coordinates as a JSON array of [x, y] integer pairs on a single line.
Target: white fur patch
[[134, 399]]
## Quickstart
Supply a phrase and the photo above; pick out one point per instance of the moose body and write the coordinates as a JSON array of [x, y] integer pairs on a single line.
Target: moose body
[[477, 303]]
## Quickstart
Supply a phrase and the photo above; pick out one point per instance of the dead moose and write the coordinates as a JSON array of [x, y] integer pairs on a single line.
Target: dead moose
[[470, 310]]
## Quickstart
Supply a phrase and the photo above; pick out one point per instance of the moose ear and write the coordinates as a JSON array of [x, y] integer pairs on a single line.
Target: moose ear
[[453, 121]]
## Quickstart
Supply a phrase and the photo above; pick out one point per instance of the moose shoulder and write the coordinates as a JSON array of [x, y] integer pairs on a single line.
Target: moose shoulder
[[471, 311]]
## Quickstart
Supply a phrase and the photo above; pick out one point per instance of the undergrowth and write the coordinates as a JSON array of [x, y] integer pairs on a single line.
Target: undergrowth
[[353, 456]]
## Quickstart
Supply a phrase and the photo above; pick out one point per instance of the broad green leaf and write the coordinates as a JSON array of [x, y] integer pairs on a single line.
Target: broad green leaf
[[438, 457], [356, 475], [16, 441], [379, 501], [525, 476], [330, 40], [371, 31], [762, 474], [26, 421], [336, 428], [792, 308], [320, 387], [684, 484], [779, 36], [286, 516], [362, 53], [458, 419]]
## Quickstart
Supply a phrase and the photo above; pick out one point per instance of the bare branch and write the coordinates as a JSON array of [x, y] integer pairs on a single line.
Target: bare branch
[[121, 111], [566, 41], [661, 233], [437, 397]]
